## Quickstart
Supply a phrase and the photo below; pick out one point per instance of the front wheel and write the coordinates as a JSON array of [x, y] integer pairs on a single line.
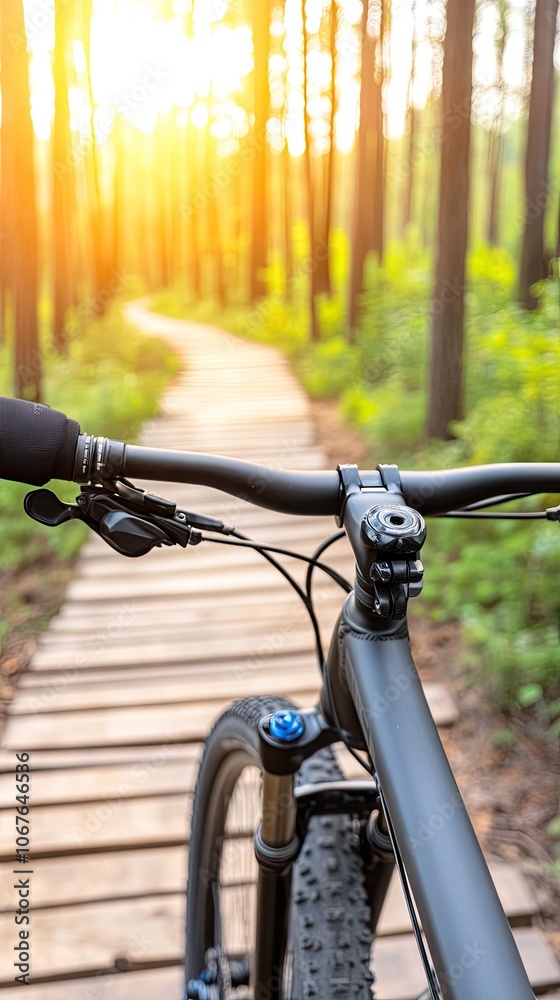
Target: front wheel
[[329, 946]]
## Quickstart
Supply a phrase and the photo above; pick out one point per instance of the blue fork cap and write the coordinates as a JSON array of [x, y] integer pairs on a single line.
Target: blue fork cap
[[286, 726]]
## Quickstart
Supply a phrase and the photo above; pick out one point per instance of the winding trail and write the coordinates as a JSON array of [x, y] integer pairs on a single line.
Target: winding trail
[[130, 675]]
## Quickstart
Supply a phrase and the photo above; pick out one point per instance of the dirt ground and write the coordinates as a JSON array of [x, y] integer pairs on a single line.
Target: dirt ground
[[28, 599], [511, 792]]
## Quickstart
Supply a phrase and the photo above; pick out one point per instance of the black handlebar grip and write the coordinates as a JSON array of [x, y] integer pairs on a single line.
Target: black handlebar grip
[[36, 443]]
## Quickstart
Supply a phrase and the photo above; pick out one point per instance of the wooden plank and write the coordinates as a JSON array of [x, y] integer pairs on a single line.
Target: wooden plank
[[60, 881], [140, 615], [261, 579], [96, 936], [38, 681], [183, 722], [145, 985], [102, 757], [77, 617], [116, 634], [154, 775], [86, 878], [97, 757], [114, 824], [289, 637], [232, 684], [133, 629]]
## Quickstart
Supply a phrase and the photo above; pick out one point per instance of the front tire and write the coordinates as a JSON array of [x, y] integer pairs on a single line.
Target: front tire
[[329, 946]]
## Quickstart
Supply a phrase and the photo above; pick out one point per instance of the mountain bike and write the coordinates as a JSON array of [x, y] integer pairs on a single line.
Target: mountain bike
[[289, 863]]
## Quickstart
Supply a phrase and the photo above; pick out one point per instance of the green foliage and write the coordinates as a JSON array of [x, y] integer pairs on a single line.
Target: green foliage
[[499, 578], [503, 738], [110, 381]]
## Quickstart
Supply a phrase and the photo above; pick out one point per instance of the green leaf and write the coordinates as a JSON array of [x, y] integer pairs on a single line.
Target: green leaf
[[553, 828], [553, 731], [529, 695], [503, 738]]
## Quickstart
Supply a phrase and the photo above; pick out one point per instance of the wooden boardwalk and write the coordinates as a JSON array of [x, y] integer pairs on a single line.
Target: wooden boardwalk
[[128, 678]]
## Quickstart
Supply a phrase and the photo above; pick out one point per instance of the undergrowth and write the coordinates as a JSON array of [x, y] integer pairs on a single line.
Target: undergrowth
[[499, 578]]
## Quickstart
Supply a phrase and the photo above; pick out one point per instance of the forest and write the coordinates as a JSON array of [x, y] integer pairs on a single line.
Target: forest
[[372, 186]]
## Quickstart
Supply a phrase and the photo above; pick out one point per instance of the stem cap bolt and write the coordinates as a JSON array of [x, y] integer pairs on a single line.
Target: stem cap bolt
[[286, 726]]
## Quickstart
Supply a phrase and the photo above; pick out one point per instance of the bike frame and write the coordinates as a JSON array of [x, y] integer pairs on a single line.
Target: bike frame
[[372, 690]]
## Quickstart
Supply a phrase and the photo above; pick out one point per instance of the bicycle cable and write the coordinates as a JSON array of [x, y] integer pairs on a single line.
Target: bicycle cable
[[264, 551], [429, 971], [472, 510], [307, 601], [314, 561], [498, 516]]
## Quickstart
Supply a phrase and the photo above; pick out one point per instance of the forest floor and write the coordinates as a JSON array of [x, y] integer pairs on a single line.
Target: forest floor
[[512, 790]]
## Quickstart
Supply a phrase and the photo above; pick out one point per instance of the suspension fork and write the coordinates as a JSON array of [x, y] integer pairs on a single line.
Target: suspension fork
[[287, 738]]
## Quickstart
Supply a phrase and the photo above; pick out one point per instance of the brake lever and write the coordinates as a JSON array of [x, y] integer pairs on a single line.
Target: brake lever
[[46, 508], [131, 532]]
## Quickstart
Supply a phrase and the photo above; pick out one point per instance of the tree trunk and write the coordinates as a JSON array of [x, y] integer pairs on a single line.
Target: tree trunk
[[445, 392], [495, 138], [62, 176], [214, 233], [537, 187], [362, 221], [160, 163], [494, 184], [18, 195], [558, 232], [325, 281], [192, 211], [312, 269], [411, 114], [287, 206], [118, 191], [93, 187], [378, 244], [259, 229]]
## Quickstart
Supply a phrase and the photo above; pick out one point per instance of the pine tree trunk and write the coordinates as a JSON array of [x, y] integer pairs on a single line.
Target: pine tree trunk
[[192, 208], [62, 174], [93, 187], [445, 392], [18, 195], [537, 187], [287, 207], [362, 220], [160, 163], [495, 137], [259, 229], [325, 281], [118, 190], [411, 114], [312, 269], [378, 245], [494, 179]]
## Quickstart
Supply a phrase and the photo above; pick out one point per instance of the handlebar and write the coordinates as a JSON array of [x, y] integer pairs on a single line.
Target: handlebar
[[38, 444]]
